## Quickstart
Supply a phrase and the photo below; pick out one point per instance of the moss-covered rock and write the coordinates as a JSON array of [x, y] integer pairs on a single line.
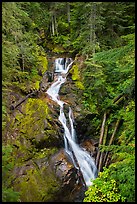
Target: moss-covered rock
[[33, 129], [36, 185], [76, 76]]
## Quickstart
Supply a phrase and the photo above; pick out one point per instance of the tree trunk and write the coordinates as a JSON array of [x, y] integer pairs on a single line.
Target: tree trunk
[[102, 153], [118, 98], [56, 25], [101, 137], [111, 140], [53, 27], [68, 12], [92, 22]]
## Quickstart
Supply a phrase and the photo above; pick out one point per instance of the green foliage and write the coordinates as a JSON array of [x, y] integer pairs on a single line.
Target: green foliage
[[103, 190], [121, 171], [8, 193], [4, 112], [20, 50], [113, 74], [115, 184], [107, 21]]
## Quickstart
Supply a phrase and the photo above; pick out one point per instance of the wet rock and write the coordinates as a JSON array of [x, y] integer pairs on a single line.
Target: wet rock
[[90, 146], [54, 176], [46, 80], [62, 167], [84, 126], [71, 187]]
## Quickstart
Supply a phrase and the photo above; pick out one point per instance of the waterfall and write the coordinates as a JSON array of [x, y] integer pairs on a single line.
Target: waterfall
[[80, 158]]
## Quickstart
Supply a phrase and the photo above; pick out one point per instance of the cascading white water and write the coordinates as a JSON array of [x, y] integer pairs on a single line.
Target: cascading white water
[[82, 158]]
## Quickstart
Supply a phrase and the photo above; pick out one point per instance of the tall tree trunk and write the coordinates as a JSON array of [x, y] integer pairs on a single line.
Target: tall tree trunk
[[92, 22], [110, 141], [53, 26], [68, 11], [56, 25], [94, 26], [102, 153], [101, 137]]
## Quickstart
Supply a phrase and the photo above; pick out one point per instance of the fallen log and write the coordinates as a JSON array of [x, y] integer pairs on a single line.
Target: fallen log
[[117, 98], [12, 107]]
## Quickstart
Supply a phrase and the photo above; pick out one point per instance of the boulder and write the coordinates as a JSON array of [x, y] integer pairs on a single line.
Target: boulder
[[71, 189]]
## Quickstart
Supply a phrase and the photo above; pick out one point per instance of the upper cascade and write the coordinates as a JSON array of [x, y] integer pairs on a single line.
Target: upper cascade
[[61, 64]]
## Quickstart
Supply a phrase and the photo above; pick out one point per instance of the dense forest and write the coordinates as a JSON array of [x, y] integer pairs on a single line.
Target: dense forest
[[100, 38]]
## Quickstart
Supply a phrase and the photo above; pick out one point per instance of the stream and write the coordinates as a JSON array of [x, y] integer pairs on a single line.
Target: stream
[[80, 158]]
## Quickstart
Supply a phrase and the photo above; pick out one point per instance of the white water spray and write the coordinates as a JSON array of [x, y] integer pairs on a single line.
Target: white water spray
[[82, 158]]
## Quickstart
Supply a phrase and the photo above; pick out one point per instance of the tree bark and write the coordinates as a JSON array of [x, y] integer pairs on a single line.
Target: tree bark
[[118, 98], [110, 141], [68, 12], [102, 153], [56, 26], [53, 28], [101, 137], [92, 21]]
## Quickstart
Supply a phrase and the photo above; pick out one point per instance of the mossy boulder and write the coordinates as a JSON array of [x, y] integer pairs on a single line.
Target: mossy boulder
[[35, 124], [36, 184], [48, 180], [33, 129], [76, 76]]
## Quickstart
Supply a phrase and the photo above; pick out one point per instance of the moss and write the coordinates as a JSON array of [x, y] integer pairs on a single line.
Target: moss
[[46, 152], [76, 77], [27, 84], [41, 59], [37, 186], [33, 131], [37, 85], [43, 63], [36, 111], [58, 49]]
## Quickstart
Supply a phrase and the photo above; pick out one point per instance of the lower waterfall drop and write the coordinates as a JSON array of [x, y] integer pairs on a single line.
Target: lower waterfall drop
[[80, 158]]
